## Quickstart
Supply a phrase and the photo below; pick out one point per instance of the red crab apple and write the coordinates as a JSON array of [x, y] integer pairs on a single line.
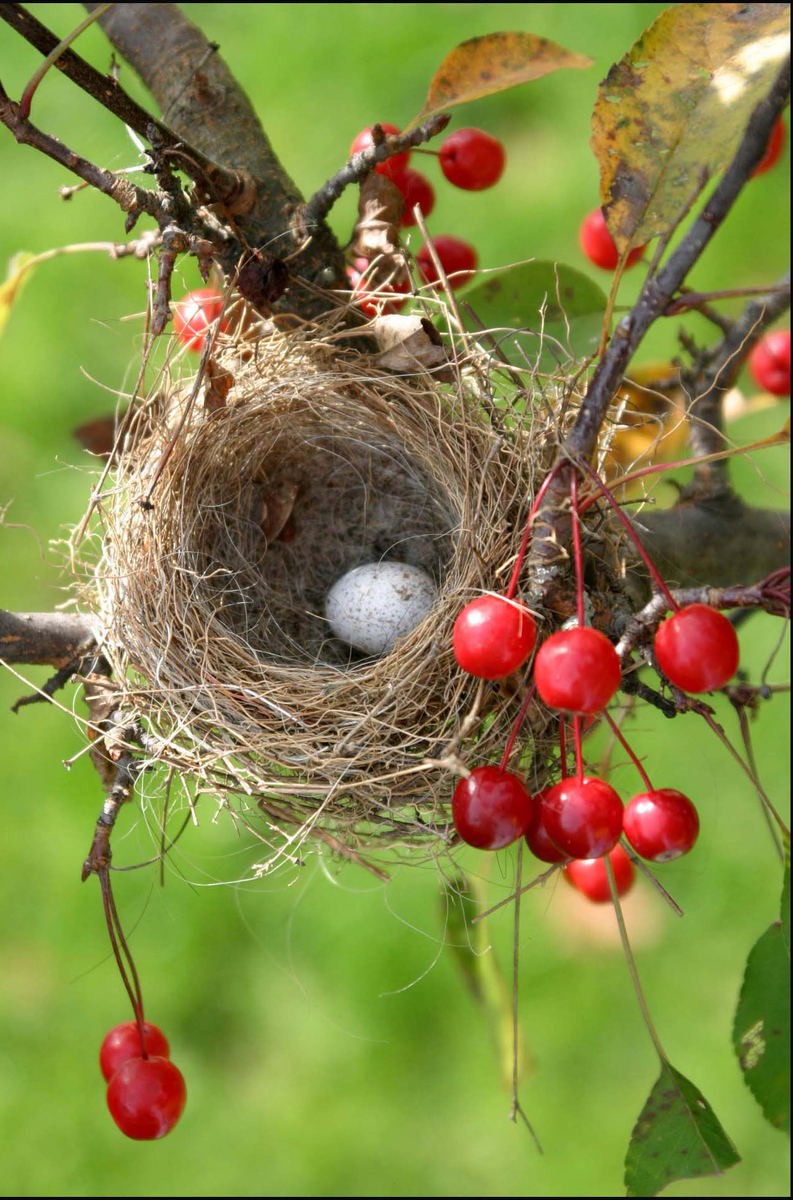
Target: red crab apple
[[588, 875], [123, 1042], [491, 808], [146, 1097]]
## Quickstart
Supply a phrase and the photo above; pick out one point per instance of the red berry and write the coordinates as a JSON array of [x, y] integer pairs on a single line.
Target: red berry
[[583, 816], [123, 1042], [769, 362], [194, 314], [773, 150], [589, 876], [598, 244], [457, 258], [537, 838], [577, 670], [697, 649], [393, 167], [472, 159], [491, 809], [493, 636], [415, 190], [376, 302], [661, 825], [146, 1097]]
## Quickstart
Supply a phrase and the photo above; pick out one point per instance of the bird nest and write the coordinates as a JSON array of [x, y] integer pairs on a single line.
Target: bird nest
[[237, 505]]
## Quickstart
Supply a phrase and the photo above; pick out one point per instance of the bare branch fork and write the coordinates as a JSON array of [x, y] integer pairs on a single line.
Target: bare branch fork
[[222, 185]]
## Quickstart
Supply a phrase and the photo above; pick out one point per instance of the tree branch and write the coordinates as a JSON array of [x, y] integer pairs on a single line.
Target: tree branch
[[53, 639], [202, 102], [224, 186], [128, 196], [705, 414]]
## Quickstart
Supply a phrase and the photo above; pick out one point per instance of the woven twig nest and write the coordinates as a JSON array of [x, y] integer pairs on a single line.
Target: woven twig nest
[[211, 599]]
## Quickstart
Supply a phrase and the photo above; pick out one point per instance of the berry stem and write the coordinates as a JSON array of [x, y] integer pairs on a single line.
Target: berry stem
[[513, 580], [562, 747], [579, 757], [524, 708], [779, 439], [579, 566], [615, 729], [648, 562], [121, 950], [626, 946]]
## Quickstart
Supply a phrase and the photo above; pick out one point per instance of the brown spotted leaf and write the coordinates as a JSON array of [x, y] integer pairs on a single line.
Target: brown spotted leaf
[[493, 63], [678, 103], [677, 1136], [761, 1034]]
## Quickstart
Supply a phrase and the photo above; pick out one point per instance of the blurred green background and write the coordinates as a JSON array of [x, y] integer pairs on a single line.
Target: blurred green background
[[329, 1045]]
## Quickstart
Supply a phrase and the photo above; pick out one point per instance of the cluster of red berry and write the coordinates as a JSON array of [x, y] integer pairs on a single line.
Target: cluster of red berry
[[598, 244], [470, 159], [577, 671], [145, 1092]]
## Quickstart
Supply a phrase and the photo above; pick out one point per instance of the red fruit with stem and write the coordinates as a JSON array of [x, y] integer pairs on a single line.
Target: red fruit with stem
[[194, 314], [493, 636], [598, 244], [769, 362], [472, 159], [146, 1097], [393, 167], [773, 150], [661, 824], [537, 838], [491, 809], [123, 1042], [376, 301], [577, 670], [583, 816], [415, 190], [457, 258], [697, 649], [588, 875]]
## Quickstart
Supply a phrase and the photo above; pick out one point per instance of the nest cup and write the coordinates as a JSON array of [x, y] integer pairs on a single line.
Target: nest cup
[[211, 600]]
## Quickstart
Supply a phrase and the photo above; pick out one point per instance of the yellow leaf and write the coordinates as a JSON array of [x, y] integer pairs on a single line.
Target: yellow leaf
[[493, 63], [678, 102], [18, 269]]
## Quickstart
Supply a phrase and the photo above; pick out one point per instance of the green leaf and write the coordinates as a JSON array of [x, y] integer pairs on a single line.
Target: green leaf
[[785, 906], [761, 1034], [679, 101], [563, 304], [677, 1136], [485, 65]]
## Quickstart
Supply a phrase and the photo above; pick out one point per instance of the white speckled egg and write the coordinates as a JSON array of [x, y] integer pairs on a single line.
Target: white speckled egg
[[372, 606]]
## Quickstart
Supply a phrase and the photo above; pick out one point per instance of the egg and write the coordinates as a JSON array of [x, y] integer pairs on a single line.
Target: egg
[[373, 606]]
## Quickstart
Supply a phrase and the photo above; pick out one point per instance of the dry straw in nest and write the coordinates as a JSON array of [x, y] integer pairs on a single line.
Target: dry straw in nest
[[211, 601]]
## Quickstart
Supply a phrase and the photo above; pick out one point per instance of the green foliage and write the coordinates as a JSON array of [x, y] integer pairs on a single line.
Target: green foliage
[[761, 1034], [572, 305], [677, 1136]]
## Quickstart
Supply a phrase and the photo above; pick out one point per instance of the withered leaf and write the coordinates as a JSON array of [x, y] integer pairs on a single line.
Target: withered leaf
[[493, 63], [376, 231]]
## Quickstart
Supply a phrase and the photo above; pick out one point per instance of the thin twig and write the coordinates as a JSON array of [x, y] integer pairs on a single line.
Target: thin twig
[[359, 166]]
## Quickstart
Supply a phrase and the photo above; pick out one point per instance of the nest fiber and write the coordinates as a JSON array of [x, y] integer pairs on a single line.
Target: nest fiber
[[211, 597]]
